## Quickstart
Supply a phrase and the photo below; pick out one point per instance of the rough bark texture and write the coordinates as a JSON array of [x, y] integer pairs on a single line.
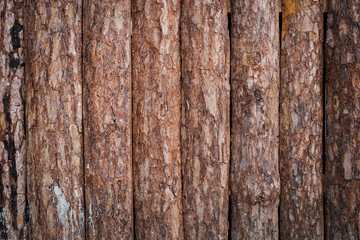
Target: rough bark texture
[[301, 200], [13, 216], [343, 121], [255, 183], [107, 119], [54, 119], [205, 131], [156, 119]]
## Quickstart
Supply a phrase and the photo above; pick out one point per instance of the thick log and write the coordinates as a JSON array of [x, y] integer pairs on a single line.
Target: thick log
[[255, 183], [342, 165], [54, 119], [107, 119], [156, 119], [205, 131], [13, 214], [301, 113]]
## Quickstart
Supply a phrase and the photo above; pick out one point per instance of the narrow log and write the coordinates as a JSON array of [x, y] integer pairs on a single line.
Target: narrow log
[[342, 166], [255, 183], [301, 112], [13, 215], [107, 119], [205, 131], [156, 119], [54, 119]]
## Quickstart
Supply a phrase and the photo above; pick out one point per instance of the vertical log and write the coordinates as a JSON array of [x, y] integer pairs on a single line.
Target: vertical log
[[301, 204], [107, 119], [54, 119], [255, 181], [156, 119], [13, 218], [205, 128], [342, 164]]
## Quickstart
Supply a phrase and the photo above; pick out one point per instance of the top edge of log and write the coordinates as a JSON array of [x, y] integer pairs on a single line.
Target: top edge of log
[[324, 9], [324, 3]]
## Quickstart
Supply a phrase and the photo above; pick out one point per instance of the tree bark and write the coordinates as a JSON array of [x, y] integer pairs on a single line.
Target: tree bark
[[255, 183], [107, 119], [205, 128], [342, 164], [156, 119], [54, 119], [301, 200], [14, 218]]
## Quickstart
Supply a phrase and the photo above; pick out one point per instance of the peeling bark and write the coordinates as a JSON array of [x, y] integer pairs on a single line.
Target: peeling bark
[[156, 119], [54, 119], [13, 215], [255, 183], [107, 119], [205, 129], [342, 164], [301, 200]]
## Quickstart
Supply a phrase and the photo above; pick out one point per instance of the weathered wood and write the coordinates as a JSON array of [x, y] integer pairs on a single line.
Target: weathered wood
[[107, 119], [156, 119], [255, 183], [205, 131], [54, 119], [13, 215], [342, 166], [301, 199]]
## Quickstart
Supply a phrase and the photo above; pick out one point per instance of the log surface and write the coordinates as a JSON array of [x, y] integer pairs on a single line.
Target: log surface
[[301, 113], [54, 119], [205, 131], [342, 166], [14, 217], [156, 119], [255, 182], [107, 119]]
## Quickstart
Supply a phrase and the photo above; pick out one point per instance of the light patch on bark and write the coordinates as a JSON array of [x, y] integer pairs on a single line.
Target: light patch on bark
[[62, 205]]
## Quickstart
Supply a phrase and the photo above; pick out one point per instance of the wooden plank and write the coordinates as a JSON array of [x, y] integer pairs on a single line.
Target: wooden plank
[[342, 164], [107, 119], [14, 218], [156, 119], [54, 119], [255, 182], [205, 128], [301, 113]]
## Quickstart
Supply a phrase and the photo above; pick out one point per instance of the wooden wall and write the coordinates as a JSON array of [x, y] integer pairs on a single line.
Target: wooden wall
[[178, 119]]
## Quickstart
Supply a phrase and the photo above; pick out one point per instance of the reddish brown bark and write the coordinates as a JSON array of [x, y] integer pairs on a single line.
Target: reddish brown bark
[[255, 184], [342, 164], [205, 128], [301, 200], [107, 119], [156, 119], [13, 218], [54, 119]]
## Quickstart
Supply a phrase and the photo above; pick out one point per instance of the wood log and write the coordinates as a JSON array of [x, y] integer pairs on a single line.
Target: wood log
[[342, 165], [54, 119], [255, 183], [156, 119], [13, 205], [205, 131], [107, 119], [301, 116]]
